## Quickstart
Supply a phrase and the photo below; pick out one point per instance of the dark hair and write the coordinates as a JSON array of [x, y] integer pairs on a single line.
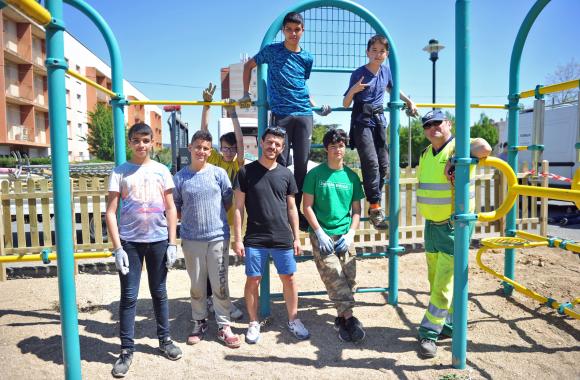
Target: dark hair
[[504, 145], [201, 135], [380, 39], [274, 131], [139, 129], [229, 138], [293, 17], [334, 136]]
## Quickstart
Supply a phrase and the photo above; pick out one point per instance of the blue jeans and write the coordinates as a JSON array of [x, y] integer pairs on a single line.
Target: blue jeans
[[154, 255]]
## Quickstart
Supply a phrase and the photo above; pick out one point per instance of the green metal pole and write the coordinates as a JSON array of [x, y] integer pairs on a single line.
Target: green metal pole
[[119, 102], [56, 69], [513, 126], [462, 214]]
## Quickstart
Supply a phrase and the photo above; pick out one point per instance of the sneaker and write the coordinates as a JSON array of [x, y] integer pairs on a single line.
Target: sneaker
[[343, 333], [297, 328], [253, 333], [121, 366], [378, 218], [427, 348], [338, 321], [199, 329], [235, 313], [210, 308], [169, 349], [355, 329], [302, 222], [230, 339]]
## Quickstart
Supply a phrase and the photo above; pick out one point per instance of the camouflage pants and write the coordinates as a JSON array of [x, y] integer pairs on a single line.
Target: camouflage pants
[[338, 274]]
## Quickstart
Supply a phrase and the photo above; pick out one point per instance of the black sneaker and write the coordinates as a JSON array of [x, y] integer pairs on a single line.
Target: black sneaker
[[355, 329], [121, 366], [427, 348], [343, 333], [169, 349], [302, 222], [337, 322]]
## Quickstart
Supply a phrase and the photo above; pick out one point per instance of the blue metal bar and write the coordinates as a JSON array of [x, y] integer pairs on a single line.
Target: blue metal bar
[[323, 292], [56, 68], [119, 102], [513, 125], [461, 248]]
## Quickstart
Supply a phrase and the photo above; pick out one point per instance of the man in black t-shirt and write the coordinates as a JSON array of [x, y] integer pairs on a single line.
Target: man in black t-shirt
[[267, 190]]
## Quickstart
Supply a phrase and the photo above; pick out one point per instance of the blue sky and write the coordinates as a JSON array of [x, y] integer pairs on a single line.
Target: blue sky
[[179, 46]]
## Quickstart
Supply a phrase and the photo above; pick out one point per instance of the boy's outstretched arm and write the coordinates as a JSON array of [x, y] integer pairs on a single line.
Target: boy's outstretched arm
[[237, 132], [411, 107], [246, 101], [324, 109], [111, 218], [171, 215], [355, 89]]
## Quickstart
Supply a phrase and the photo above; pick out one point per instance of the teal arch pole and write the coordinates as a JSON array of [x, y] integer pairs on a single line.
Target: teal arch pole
[[394, 107], [513, 126], [462, 215], [56, 68], [118, 102]]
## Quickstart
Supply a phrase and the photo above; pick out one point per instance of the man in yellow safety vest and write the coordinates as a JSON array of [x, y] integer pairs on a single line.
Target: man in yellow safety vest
[[435, 203]]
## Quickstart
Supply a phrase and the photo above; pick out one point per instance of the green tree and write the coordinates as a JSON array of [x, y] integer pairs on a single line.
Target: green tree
[[418, 143], [163, 156], [485, 129], [100, 137]]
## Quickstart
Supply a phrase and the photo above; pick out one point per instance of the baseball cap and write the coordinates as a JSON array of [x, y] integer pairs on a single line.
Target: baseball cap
[[434, 115]]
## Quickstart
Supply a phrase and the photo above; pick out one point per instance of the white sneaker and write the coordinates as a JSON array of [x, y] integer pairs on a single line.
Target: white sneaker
[[253, 333], [297, 328], [235, 313]]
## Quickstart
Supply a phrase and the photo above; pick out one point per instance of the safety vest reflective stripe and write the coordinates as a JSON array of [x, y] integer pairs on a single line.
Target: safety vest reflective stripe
[[434, 186], [434, 201]]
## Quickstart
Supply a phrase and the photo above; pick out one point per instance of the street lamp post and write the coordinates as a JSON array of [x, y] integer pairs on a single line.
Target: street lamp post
[[433, 49]]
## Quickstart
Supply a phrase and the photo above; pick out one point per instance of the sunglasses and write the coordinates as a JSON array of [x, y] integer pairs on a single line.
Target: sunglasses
[[232, 149], [431, 124], [275, 131]]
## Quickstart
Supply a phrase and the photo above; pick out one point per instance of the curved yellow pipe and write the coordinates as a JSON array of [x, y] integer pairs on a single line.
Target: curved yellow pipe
[[522, 289]]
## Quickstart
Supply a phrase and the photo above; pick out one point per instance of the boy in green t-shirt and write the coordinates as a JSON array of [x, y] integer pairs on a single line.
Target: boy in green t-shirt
[[331, 190]]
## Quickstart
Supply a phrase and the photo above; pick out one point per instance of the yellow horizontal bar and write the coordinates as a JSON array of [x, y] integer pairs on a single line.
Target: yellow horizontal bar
[[547, 192], [568, 85], [521, 147], [32, 9], [180, 103], [53, 256], [451, 105], [573, 247], [91, 83], [520, 288]]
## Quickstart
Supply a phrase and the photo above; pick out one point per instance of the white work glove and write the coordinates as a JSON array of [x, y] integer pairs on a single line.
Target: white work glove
[[121, 260], [343, 244], [324, 110], [208, 92], [171, 254], [325, 242], [245, 101]]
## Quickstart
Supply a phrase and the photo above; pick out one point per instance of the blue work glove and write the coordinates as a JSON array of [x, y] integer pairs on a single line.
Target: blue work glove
[[325, 242], [324, 110], [121, 260], [343, 244], [171, 254]]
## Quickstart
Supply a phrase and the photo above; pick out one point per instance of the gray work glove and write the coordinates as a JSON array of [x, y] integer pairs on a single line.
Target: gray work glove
[[171, 254], [121, 260], [208, 92], [324, 110], [245, 101], [325, 242]]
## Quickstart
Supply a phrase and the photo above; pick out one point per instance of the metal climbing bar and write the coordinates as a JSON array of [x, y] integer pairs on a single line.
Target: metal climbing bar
[[451, 105], [515, 243], [552, 241], [180, 103], [52, 256], [32, 9], [543, 90], [90, 82]]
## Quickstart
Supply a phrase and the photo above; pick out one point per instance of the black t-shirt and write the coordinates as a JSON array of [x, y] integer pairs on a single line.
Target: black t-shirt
[[266, 192]]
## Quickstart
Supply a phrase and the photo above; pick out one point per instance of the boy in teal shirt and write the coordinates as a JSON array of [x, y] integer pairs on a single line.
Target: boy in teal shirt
[[331, 190]]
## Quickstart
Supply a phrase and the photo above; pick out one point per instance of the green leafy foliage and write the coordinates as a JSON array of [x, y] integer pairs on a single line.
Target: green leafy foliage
[[319, 154], [485, 129], [100, 137]]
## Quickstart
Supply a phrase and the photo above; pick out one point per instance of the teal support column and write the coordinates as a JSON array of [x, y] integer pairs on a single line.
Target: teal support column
[[56, 68], [513, 126], [119, 102], [462, 213]]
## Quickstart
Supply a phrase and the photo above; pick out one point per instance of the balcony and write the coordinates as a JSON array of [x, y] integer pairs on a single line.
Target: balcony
[[18, 133], [17, 93]]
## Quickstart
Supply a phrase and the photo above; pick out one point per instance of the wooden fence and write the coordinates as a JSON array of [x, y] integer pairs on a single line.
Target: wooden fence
[[27, 223]]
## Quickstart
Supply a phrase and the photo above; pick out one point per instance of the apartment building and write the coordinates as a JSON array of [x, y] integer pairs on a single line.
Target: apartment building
[[24, 123]]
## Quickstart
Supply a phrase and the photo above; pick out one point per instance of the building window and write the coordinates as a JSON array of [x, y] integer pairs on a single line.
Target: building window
[[69, 130], [67, 98], [79, 102]]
